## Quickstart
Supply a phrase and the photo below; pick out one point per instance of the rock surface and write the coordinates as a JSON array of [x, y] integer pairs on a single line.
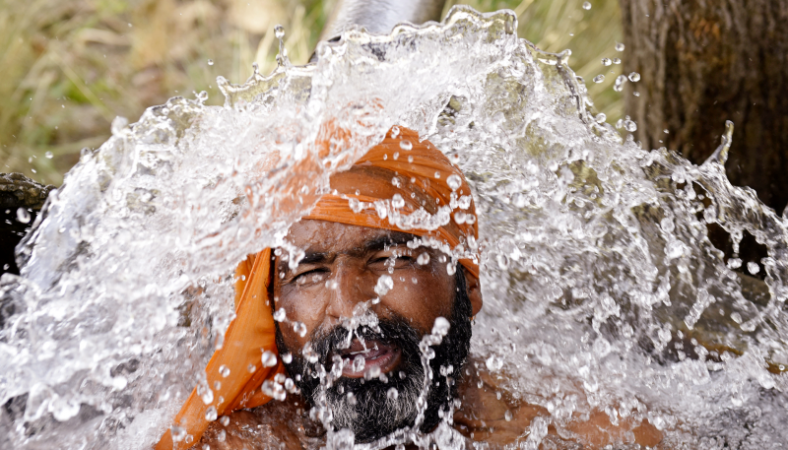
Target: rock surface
[[20, 201]]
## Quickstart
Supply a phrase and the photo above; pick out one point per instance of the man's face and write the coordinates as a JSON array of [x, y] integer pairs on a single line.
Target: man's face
[[364, 345]]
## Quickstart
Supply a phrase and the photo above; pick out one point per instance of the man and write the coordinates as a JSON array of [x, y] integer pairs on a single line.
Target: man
[[373, 323]]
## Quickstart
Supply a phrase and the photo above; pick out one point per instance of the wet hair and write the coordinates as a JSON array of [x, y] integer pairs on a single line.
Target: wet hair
[[371, 413]]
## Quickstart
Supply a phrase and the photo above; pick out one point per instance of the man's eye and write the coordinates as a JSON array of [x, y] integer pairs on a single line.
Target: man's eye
[[310, 276], [398, 261]]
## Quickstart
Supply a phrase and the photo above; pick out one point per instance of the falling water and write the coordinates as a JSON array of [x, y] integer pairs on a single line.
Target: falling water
[[602, 289]]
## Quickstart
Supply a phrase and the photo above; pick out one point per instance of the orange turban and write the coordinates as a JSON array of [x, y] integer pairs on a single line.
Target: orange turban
[[401, 184]]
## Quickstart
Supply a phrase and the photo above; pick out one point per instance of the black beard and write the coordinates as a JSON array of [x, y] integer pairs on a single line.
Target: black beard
[[374, 414]]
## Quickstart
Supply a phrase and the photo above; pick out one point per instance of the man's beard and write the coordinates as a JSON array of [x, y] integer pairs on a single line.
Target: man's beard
[[371, 412]]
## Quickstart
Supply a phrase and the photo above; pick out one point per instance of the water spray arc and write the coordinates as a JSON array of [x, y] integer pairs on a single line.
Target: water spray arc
[[602, 290]]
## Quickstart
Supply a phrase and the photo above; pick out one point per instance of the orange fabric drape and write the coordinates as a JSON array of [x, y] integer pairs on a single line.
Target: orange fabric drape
[[419, 173], [249, 334]]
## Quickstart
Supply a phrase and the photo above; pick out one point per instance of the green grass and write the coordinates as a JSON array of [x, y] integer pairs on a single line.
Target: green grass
[[68, 67]]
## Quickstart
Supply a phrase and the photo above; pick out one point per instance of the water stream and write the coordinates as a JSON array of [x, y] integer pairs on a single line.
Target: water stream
[[602, 289]]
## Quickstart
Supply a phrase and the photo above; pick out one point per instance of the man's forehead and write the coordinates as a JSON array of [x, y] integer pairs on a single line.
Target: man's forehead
[[315, 236]]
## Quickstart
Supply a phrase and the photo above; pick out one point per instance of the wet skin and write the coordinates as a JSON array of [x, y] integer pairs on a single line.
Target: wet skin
[[341, 266], [351, 260]]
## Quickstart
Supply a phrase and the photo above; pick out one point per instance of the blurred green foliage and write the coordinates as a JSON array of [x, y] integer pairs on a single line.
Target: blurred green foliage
[[68, 67]]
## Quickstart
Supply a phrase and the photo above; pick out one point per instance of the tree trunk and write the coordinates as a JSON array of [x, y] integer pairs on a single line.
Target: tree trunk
[[706, 61]]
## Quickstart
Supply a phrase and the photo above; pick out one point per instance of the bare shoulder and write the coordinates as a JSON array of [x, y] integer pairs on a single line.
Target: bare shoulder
[[489, 413], [273, 425]]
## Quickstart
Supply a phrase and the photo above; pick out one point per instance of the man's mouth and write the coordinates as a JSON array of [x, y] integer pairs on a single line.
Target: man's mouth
[[378, 357]]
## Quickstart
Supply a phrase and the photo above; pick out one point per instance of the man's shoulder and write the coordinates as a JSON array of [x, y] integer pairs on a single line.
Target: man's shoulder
[[488, 412]]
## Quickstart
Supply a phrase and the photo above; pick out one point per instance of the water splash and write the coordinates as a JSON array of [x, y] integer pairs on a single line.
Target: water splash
[[602, 289]]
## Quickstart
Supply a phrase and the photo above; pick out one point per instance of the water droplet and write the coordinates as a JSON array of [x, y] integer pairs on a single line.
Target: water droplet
[[210, 62], [358, 363], [48, 155], [219, 342], [454, 181], [619, 47], [599, 78], [280, 315], [309, 353], [616, 61], [210, 414], [634, 77], [355, 205], [601, 117], [630, 125], [619, 84], [384, 285], [441, 326], [494, 363], [372, 372], [224, 371], [586, 5], [666, 131], [281, 57], [251, 368], [753, 267], [424, 258], [287, 358], [300, 328], [22, 215], [205, 393], [405, 144], [397, 201], [178, 433], [394, 131], [392, 394], [734, 263], [351, 399], [269, 359], [222, 435], [225, 420], [508, 415], [606, 62], [666, 224], [451, 268]]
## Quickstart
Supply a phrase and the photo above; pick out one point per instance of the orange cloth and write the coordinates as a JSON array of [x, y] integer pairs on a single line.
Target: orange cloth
[[421, 178]]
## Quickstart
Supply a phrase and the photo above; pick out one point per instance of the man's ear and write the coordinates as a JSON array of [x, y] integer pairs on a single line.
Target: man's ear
[[474, 291]]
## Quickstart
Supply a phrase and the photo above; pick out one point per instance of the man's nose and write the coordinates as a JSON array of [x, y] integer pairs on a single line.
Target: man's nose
[[349, 286]]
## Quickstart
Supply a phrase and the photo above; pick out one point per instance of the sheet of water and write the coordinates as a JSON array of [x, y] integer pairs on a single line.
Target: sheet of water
[[602, 290]]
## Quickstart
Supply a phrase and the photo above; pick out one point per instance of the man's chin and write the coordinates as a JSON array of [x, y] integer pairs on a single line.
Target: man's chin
[[370, 409]]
